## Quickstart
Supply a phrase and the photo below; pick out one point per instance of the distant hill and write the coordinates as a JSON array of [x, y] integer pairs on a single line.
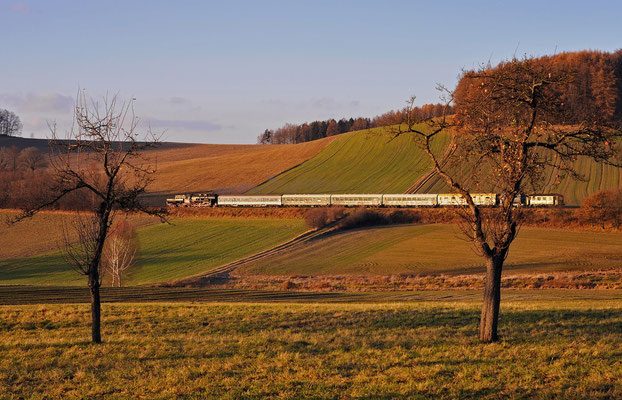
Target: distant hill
[[367, 161], [43, 144]]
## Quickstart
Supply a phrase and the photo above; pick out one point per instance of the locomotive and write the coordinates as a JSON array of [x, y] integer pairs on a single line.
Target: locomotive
[[357, 200]]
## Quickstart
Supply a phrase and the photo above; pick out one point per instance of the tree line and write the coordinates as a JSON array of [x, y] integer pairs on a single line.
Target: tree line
[[10, 124], [26, 177], [308, 131]]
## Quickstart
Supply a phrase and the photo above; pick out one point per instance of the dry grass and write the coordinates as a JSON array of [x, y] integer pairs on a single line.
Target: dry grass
[[562, 348], [599, 280]]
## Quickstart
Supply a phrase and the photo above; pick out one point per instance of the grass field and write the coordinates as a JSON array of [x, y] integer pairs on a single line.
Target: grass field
[[550, 348], [594, 176], [43, 232], [369, 162], [434, 249], [190, 246], [357, 162]]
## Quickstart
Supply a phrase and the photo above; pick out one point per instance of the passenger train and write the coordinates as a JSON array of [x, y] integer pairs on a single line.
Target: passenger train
[[357, 200]]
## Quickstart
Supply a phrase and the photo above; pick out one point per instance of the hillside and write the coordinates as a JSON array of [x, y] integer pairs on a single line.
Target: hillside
[[438, 249], [186, 167], [226, 168], [366, 161], [595, 177], [187, 247], [369, 161]]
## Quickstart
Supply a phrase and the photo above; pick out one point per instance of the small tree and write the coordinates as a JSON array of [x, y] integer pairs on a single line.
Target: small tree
[[120, 251], [10, 125], [510, 129], [100, 156]]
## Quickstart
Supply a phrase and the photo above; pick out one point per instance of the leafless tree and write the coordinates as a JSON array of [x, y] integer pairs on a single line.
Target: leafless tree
[[10, 125], [9, 157], [31, 158], [510, 128], [120, 251], [101, 155]]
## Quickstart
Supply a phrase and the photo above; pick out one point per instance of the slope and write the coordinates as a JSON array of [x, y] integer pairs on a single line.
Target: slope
[[434, 249], [367, 161], [370, 161], [594, 177], [225, 168]]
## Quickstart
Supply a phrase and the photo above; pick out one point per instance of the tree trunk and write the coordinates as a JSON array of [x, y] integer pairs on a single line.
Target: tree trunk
[[95, 313], [492, 298]]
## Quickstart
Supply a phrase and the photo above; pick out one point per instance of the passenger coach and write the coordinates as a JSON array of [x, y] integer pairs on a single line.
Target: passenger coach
[[410, 200], [249, 201]]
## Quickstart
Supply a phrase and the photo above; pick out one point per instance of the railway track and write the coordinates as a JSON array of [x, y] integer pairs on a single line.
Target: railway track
[[222, 272]]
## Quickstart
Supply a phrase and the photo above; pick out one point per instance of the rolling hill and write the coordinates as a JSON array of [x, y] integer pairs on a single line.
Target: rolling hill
[[367, 161]]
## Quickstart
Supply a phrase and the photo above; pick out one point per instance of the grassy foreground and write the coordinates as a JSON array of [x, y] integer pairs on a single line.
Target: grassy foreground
[[549, 349]]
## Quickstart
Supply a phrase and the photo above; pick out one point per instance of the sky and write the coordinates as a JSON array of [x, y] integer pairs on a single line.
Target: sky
[[224, 71]]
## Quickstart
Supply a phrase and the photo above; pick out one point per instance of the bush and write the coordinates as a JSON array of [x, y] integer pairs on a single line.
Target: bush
[[603, 207], [320, 217], [362, 217]]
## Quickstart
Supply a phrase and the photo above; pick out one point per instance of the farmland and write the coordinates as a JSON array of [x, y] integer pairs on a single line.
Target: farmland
[[186, 247], [439, 249], [225, 168], [367, 161], [553, 345], [594, 177]]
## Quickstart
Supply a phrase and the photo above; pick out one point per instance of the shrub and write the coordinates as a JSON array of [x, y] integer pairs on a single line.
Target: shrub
[[603, 207], [320, 217]]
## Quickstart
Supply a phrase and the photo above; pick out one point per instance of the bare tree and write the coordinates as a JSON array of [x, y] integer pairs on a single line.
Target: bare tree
[[101, 156], [10, 125], [120, 251], [31, 158], [511, 127]]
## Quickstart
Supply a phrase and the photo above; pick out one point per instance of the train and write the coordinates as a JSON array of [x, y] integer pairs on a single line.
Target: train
[[358, 200]]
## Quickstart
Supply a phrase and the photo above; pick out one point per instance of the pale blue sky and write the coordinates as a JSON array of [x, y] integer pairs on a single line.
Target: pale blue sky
[[222, 72]]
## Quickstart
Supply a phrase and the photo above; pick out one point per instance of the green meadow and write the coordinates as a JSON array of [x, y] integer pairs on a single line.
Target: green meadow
[[439, 249], [368, 161], [187, 247]]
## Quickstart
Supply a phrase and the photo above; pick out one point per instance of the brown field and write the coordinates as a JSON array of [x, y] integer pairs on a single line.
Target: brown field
[[226, 168]]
